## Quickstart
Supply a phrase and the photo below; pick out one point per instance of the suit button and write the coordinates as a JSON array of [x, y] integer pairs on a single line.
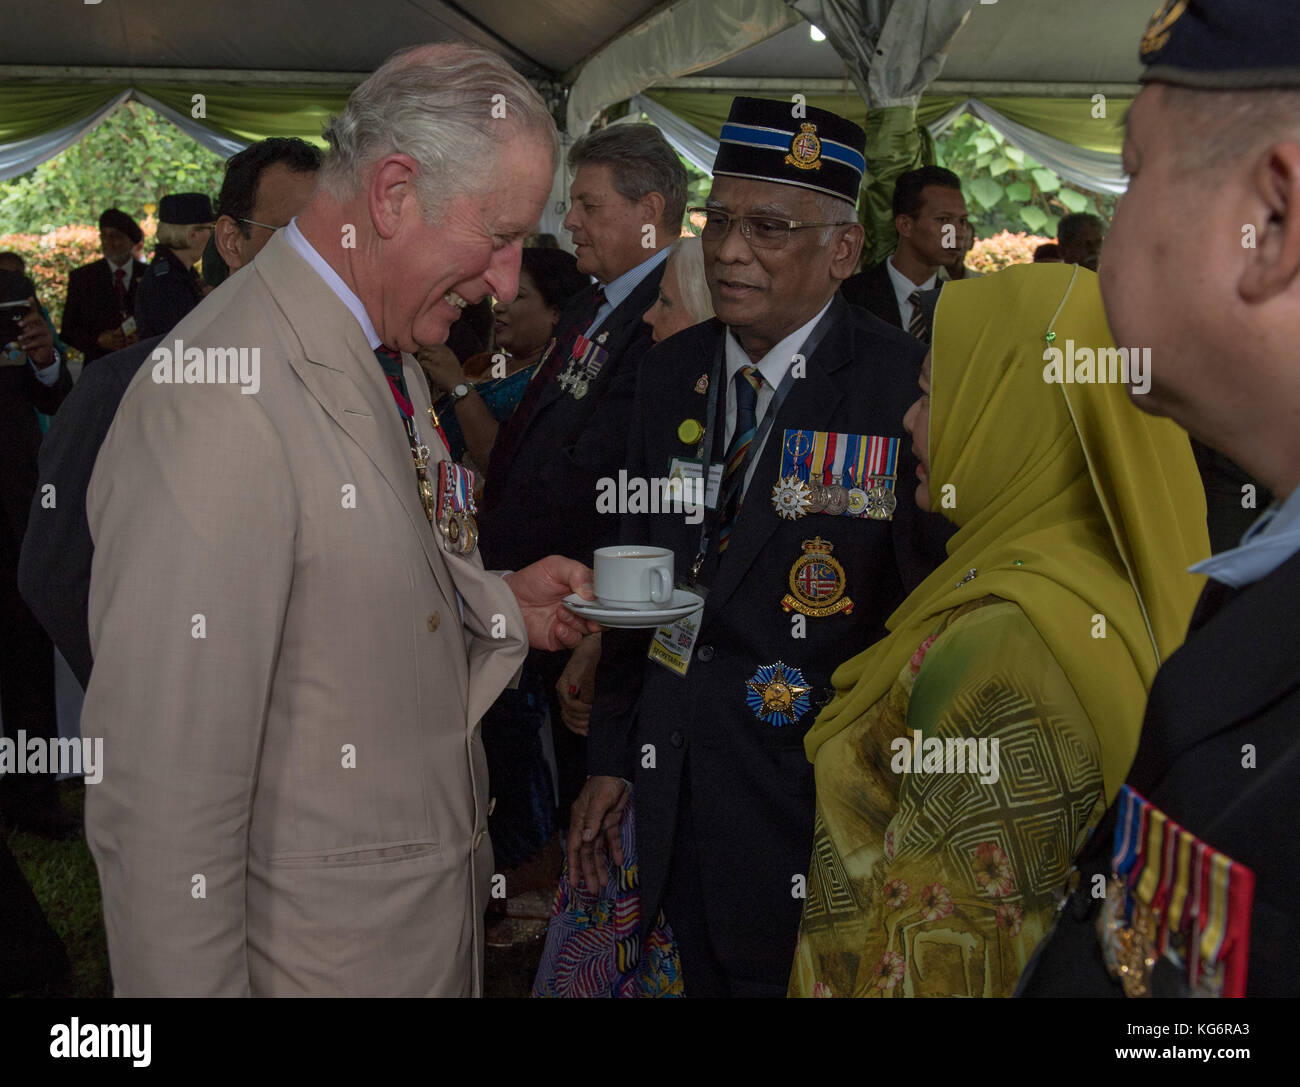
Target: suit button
[[704, 653], [434, 620], [676, 739]]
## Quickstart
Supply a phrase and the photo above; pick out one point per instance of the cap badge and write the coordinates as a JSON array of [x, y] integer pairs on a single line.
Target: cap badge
[[1160, 27], [805, 148]]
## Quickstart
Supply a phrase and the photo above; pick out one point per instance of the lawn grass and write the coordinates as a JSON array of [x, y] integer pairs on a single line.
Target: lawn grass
[[63, 876]]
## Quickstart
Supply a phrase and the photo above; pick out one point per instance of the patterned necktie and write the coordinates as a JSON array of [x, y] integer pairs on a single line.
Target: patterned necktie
[[391, 361], [119, 285], [511, 432], [747, 382], [917, 325]]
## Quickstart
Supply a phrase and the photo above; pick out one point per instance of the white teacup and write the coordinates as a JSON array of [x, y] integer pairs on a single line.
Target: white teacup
[[640, 578]]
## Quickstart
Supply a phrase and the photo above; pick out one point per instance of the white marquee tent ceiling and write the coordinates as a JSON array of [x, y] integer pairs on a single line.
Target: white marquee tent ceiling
[[1008, 41]]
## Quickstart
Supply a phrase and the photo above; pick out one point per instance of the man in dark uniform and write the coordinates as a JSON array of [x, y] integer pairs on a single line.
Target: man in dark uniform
[[98, 311], [32, 378], [570, 430], [1191, 882], [808, 547], [169, 288]]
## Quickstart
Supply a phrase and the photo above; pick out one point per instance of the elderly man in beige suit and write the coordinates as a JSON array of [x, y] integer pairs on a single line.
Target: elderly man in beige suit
[[291, 659]]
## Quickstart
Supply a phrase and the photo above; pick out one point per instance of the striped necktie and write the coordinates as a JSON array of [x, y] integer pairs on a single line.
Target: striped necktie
[[917, 325], [747, 382]]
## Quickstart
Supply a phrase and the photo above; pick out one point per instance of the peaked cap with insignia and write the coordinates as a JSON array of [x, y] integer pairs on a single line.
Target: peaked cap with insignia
[[1223, 45]]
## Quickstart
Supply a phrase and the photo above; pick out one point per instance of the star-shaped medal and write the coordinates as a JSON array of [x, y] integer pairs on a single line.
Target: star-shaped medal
[[778, 694]]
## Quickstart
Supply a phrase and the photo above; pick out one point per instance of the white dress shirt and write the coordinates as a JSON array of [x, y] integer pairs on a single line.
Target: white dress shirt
[[903, 288], [773, 367]]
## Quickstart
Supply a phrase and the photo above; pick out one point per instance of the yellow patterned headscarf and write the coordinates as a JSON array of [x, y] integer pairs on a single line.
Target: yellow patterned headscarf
[[1069, 501]]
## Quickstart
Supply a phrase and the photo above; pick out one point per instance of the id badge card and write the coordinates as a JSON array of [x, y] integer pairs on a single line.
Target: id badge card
[[690, 471], [672, 645], [128, 326]]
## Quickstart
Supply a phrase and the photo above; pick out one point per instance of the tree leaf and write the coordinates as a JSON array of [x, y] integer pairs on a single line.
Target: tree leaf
[[986, 191], [1019, 191], [984, 144], [1014, 154], [1032, 217], [1046, 180], [1074, 200], [999, 166]]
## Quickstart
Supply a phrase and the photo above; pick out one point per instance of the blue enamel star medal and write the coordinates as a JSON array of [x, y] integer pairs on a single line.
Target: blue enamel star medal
[[778, 694]]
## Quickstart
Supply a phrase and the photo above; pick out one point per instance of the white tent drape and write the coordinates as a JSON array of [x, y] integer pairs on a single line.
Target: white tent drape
[[674, 42]]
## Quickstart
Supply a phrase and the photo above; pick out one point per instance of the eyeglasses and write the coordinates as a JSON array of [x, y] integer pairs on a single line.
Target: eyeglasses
[[760, 231], [254, 222]]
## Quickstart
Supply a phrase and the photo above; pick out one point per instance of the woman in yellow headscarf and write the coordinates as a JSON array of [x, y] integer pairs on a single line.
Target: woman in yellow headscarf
[[967, 756]]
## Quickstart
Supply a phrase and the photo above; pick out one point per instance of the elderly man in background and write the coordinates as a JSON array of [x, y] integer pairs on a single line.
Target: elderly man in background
[[294, 636], [270, 181], [570, 430], [98, 312]]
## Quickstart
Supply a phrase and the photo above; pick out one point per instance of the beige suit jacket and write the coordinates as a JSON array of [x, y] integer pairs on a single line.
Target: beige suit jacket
[[294, 792]]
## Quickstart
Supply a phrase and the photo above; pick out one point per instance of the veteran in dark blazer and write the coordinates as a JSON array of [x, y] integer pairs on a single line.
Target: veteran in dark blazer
[[570, 430], [100, 304], [1219, 758], [813, 540]]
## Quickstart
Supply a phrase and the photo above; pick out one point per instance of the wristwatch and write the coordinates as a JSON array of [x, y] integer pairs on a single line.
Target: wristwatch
[[459, 392]]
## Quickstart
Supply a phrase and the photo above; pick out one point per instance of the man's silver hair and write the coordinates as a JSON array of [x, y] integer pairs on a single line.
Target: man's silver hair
[[687, 257], [440, 105]]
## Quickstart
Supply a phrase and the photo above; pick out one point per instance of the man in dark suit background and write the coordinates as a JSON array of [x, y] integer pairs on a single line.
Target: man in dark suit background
[[32, 378], [265, 186], [724, 791], [98, 313], [570, 430], [1215, 129], [930, 217]]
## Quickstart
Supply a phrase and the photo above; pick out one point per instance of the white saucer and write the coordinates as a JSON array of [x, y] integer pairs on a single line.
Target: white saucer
[[682, 604]]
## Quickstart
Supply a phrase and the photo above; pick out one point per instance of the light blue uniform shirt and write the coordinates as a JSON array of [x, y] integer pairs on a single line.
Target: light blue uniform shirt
[[617, 290], [1267, 544]]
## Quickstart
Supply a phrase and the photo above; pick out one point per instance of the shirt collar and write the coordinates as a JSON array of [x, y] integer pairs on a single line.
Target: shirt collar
[[903, 287], [1267, 544], [778, 360], [617, 289], [300, 245]]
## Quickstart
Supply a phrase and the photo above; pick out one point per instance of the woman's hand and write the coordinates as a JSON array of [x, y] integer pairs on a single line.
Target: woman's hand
[[442, 366], [577, 685]]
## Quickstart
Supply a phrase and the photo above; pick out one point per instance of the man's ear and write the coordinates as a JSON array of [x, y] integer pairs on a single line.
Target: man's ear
[[1273, 265], [903, 225], [228, 236], [652, 208], [847, 250], [391, 183]]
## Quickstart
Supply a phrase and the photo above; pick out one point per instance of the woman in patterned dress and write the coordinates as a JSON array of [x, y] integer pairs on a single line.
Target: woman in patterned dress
[[967, 756]]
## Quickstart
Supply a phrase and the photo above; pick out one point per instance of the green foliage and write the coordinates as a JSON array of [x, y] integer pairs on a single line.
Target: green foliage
[[1007, 191], [131, 159]]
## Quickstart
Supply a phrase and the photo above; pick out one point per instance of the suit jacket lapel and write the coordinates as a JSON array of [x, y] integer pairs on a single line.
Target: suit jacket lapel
[[341, 372], [1247, 641], [812, 397]]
